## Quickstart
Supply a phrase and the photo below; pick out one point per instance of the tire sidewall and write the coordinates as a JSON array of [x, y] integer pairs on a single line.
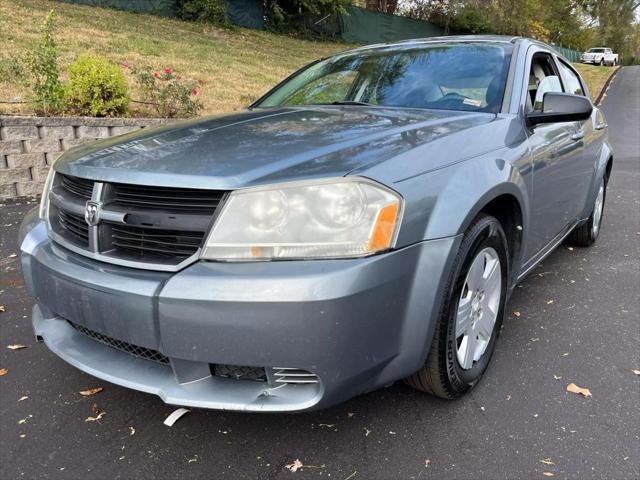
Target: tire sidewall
[[485, 233]]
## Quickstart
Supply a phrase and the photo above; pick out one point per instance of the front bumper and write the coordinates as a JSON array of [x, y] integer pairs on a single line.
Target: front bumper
[[356, 324]]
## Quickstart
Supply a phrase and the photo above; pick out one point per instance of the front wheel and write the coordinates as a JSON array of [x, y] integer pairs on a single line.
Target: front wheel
[[602, 62], [586, 234], [471, 314]]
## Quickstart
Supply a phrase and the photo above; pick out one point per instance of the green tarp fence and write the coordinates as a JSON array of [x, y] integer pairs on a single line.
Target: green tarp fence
[[568, 53], [246, 13], [366, 27], [358, 26], [165, 8]]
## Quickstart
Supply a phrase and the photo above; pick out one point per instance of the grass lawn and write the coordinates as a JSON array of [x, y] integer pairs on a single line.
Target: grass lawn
[[594, 76], [236, 65]]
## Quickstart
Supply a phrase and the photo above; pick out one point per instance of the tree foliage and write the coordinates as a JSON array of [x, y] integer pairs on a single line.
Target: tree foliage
[[290, 15], [578, 24]]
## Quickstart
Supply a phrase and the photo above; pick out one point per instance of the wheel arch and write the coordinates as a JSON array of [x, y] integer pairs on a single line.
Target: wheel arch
[[505, 203]]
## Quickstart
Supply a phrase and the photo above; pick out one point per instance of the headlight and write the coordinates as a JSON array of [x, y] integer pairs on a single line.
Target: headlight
[[43, 212], [343, 217]]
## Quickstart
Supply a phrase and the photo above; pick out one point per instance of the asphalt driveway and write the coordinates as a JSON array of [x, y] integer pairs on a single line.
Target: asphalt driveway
[[576, 319]]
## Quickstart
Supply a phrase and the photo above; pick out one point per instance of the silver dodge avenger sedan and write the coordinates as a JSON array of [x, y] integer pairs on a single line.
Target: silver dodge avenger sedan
[[363, 222]]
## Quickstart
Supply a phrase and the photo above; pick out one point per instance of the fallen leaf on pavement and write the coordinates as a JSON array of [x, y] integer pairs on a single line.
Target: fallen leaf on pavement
[[23, 398], [3, 371], [547, 461], [328, 425], [91, 391], [516, 313], [366, 432], [173, 418], [1, 308], [427, 462], [573, 388], [132, 431], [637, 372], [549, 302], [294, 466], [548, 474], [96, 418], [556, 377], [17, 346]]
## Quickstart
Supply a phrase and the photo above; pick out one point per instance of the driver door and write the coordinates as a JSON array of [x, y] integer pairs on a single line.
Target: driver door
[[557, 153]]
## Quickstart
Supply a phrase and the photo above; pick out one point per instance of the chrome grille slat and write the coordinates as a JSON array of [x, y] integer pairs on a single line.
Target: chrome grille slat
[[294, 375]]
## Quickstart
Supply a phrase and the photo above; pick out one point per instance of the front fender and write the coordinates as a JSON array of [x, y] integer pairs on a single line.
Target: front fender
[[458, 193]]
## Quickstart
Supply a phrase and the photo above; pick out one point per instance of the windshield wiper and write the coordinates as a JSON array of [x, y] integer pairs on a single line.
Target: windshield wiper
[[352, 102]]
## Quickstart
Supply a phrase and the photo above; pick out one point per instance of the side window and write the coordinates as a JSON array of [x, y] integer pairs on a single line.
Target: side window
[[543, 78], [572, 81]]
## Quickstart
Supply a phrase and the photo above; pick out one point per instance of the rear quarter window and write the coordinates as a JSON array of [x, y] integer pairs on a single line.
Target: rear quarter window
[[571, 80]]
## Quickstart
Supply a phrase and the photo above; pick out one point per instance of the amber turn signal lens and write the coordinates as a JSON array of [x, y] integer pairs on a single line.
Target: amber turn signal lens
[[384, 228]]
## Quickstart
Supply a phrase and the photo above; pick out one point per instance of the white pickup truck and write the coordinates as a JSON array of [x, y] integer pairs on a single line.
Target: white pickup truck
[[600, 56]]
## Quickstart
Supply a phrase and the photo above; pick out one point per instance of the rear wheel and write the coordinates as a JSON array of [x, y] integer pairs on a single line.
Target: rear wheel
[[586, 234], [471, 315]]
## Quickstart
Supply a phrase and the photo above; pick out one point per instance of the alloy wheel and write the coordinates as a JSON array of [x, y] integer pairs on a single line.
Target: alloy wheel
[[597, 212], [478, 307]]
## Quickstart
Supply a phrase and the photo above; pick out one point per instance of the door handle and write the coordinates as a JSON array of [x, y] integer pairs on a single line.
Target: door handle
[[579, 135], [601, 126]]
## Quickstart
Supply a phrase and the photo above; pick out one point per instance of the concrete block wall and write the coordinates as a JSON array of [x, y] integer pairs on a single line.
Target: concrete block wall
[[30, 145]]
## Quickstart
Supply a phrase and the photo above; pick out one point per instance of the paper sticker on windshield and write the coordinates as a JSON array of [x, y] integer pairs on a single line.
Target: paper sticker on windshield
[[473, 103]]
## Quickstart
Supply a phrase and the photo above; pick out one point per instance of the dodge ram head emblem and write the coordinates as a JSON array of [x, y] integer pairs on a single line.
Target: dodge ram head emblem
[[92, 212]]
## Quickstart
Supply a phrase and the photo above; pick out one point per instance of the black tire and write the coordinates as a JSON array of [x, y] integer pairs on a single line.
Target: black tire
[[601, 62], [585, 235], [442, 375]]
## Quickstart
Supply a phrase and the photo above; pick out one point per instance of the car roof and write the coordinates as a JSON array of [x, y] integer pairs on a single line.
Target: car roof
[[414, 42]]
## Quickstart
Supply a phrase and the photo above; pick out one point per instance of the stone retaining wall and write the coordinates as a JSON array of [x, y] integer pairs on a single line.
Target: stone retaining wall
[[29, 145]]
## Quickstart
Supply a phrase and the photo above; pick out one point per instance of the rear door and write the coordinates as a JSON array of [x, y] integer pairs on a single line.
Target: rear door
[[557, 150]]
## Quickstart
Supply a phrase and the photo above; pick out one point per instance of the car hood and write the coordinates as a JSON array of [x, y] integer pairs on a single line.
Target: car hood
[[263, 146]]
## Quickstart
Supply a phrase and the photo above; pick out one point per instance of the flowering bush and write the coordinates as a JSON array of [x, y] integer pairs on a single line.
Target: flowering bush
[[96, 88], [167, 93]]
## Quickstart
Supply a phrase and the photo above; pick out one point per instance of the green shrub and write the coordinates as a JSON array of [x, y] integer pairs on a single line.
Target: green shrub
[[42, 64], [208, 11], [96, 88], [166, 92]]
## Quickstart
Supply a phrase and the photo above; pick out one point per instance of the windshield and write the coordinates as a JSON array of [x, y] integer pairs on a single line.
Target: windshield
[[596, 50], [444, 76]]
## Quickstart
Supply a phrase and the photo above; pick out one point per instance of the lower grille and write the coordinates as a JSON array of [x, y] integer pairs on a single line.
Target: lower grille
[[239, 372], [136, 351]]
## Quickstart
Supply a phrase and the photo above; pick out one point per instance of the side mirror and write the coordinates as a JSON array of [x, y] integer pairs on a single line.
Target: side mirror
[[561, 107]]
